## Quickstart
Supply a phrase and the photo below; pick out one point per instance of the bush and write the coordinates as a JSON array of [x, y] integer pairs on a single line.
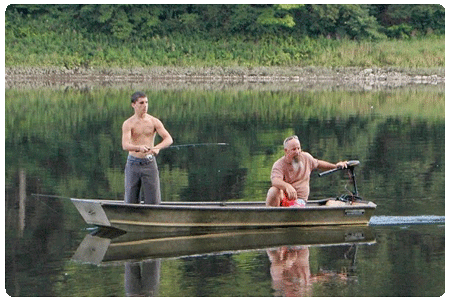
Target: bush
[[225, 35]]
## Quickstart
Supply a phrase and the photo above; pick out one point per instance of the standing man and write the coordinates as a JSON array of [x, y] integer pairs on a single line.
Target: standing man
[[291, 174], [138, 138]]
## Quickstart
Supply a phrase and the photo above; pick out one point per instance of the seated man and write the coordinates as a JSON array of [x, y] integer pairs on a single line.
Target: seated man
[[291, 173]]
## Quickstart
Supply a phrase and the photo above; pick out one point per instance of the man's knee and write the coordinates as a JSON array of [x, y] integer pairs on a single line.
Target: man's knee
[[273, 197]]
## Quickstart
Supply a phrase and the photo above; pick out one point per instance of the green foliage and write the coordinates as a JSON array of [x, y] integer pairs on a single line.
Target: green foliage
[[341, 21], [268, 17], [420, 19], [130, 22], [218, 35]]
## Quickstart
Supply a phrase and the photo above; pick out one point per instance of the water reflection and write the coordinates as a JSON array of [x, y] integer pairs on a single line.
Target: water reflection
[[141, 254], [73, 149], [142, 278], [106, 245], [291, 275]]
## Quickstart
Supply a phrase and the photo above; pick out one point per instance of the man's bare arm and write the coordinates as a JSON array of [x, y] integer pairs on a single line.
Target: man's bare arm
[[324, 165], [164, 134]]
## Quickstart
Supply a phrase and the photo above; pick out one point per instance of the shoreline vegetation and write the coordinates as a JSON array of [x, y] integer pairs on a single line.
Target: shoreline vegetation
[[282, 51], [225, 43], [384, 63]]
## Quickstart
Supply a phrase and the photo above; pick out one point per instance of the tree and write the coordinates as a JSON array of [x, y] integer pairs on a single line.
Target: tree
[[278, 15], [125, 22], [408, 19], [342, 20]]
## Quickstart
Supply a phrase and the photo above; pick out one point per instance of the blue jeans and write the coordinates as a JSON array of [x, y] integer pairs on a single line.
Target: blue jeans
[[142, 181]]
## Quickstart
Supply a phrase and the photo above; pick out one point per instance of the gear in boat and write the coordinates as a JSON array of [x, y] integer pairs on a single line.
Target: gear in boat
[[353, 196]]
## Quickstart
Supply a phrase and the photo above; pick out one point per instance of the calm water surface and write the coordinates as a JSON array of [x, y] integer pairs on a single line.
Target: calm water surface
[[67, 143]]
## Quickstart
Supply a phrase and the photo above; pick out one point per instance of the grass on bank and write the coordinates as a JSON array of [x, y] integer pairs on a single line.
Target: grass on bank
[[72, 49]]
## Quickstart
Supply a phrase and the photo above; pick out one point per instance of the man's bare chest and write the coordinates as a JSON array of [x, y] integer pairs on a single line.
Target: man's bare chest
[[142, 129]]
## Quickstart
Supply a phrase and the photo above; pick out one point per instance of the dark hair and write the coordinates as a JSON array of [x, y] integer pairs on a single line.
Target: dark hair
[[136, 96]]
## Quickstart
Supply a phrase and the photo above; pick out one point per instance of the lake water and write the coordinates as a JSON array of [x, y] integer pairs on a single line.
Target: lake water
[[66, 142]]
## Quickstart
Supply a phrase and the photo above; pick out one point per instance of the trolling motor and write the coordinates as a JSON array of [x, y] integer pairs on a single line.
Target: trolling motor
[[351, 164]]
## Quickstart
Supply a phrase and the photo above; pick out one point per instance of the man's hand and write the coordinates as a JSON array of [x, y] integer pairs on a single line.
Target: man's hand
[[341, 165], [155, 151], [291, 193], [143, 149]]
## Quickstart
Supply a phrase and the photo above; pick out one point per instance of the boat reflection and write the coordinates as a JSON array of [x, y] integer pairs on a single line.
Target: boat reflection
[[287, 249], [111, 246]]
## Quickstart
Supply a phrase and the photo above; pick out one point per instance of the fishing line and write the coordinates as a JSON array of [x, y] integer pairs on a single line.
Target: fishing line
[[50, 196], [197, 145]]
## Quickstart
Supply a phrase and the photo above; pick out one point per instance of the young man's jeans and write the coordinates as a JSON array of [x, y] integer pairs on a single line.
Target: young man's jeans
[[142, 173]]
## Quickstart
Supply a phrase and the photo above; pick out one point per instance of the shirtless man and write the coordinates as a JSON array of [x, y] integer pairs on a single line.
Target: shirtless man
[[138, 138], [291, 174]]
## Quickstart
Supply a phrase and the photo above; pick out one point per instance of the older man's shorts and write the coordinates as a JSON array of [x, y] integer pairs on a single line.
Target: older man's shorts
[[292, 202]]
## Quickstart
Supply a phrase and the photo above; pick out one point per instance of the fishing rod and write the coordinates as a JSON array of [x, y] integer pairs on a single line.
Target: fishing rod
[[149, 156], [198, 145], [177, 147]]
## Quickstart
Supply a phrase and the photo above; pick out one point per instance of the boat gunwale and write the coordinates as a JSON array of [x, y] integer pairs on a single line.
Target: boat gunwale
[[244, 206]]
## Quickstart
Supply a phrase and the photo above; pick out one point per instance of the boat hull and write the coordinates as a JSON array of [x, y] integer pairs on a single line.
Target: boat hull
[[207, 216]]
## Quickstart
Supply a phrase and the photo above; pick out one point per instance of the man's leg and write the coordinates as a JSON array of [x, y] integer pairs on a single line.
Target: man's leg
[[274, 197], [132, 183], [150, 183]]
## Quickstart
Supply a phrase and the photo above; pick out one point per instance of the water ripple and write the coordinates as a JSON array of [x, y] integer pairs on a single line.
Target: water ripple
[[405, 220]]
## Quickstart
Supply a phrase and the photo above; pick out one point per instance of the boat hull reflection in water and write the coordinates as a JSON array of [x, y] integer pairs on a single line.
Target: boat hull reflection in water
[[287, 250], [99, 248]]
